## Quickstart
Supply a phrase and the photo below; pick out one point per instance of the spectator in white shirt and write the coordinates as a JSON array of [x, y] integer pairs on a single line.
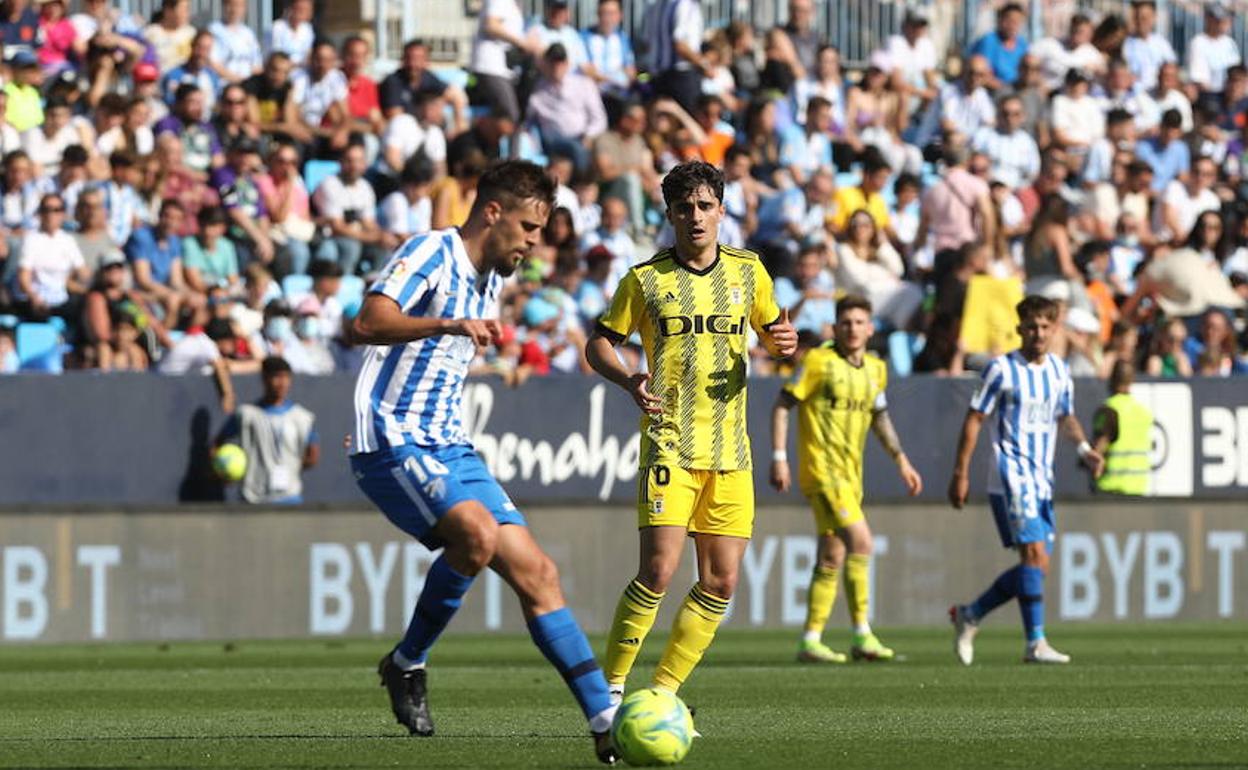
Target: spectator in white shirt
[[1169, 95], [406, 135], [965, 106], [347, 206], [1183, 202], [610, 53], [293, 34], [51, 275], [236, 52], [911, 61], [566, 108], [321, 95], [500, 28], [46, 144], [1210, 53], [1013, 153], [1121, 92], [1077, 117], [1075, 51], [408, 210], [613, 234], [1145, 50], [555, 27]]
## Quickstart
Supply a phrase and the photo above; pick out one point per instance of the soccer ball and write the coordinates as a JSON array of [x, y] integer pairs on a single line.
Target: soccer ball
[[652, 727], [229, 462]]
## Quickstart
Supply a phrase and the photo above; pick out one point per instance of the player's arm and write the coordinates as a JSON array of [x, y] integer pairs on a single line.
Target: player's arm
[[882, 427], [600, 353], [382, 322], [771, 323], [959, 485], [781, 479], [1073, 431]]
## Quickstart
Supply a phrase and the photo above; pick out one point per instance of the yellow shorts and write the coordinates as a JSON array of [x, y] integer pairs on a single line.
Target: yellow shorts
[[710, 502], [836, 507]]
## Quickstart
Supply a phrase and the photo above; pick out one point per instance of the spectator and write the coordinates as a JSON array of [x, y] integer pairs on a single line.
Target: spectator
[[454, 193], [133, 134], [1125, 255], [1167, 154], [24, 100], [719, 85], [293, 34], [1011, 151], [236, 184], [957, 209], [1077, 119], [1145, 50], [408, 210], [1209, 239], [867, 196], [744, 65], [347, 206], [51, 274], [809, 293], [326, 285], [46, 144], [965, 106], [1092, 260], [674, 30], [233, 119], [867, 264], [824, 81], [19, 28], [566, 109], [1170, 95], [1083, 351], [320, 92], [1004, 47], [1047, 251], [1212, 52], [1117, 143], [174, 180], [58, 38], [1123, 347], [271, 105], [555, 26], [363, 95], [1183, 285], [1166, 358], [1110, 36], [418, 136], [10, 139], [171, 35], [146, 80], [911, 62], [1183, 202], [236, 52], [797, 41], [70, 179], [111, 320], [1075, 51], [200, 144], [126, 210], [1214, 347], [624, 165], [1121, 92], [613, 234], [91, 232], [808, 147], [196, 70], [500, 29], [285, 198], [610, 53], [155, 254], [873, 118], [210, 259]]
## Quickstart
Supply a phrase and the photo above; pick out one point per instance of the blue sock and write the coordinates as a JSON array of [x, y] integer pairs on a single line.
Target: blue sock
[[439, 600], [1004, 588], [563, 643], [1031, 602]]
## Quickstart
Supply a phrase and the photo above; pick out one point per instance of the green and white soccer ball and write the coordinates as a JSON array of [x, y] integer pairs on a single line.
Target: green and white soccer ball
[[652, 727], [230, 462]]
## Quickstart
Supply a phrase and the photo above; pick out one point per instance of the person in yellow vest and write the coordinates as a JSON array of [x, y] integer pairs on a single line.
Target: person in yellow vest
[[1122, 431]]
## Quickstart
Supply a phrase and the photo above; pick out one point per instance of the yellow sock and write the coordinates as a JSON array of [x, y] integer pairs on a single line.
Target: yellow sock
[[820, 599], [634, 616], [692, 633], [857, 587]]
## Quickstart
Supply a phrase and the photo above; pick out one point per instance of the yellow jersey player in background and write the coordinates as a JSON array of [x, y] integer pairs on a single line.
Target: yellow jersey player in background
[[693, 305], [839, 392]]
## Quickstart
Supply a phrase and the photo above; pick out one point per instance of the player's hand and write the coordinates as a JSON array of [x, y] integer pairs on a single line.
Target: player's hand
[[909, 476], [1095, 463], [639, 388], [959, 488], [780, 479], [783, 336], [482, 331]]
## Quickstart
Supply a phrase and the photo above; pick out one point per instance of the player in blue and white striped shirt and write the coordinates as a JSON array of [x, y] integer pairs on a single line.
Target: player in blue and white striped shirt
[[435, 302], [1032, 394]]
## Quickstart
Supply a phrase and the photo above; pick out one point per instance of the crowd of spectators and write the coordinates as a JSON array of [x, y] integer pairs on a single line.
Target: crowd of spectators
[[183, 199]]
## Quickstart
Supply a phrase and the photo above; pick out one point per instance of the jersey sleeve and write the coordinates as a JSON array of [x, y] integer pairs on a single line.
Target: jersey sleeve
[[412, 272], [984, 399], [804, 380], [1066, 401], [625, 312], [881, 401], [763, 309]]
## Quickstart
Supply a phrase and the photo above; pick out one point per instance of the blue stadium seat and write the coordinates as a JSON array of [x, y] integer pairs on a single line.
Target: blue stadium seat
[[453, 76], [296, 287], [351, 291], [902, 348], [315, 172], [39, 348]]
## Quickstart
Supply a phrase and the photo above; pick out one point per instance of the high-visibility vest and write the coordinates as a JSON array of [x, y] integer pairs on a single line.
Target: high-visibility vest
[[1127, 462]]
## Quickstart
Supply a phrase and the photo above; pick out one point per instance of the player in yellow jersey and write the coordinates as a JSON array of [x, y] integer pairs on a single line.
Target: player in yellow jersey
[[693, 305], [839, 392]]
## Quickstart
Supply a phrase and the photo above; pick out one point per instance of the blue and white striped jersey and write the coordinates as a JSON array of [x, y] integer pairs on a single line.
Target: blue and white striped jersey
[[410, 393], [1029, 400]]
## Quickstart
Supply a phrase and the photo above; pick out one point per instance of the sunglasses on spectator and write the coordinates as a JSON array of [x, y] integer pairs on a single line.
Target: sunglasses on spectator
[[52, 210], [234, 102]]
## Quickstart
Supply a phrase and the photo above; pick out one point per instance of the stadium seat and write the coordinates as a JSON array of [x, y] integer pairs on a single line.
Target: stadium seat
[[902, 348], [315, 172], [351, 291], [296, 287], [453, 76], [39, 348]]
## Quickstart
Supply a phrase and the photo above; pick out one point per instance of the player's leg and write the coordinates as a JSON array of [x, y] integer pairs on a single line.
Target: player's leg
[[722, 522], [829, 559], [1034, 565], [860, 546], [535, 578], [661, 548], [1006, 586], [665, 503]]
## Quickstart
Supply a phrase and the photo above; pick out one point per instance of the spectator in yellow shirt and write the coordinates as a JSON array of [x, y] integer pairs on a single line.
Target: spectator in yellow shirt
[[25, 105], [866, 196]]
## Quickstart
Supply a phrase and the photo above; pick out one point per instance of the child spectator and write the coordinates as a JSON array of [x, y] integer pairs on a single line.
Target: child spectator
[[210, 259]]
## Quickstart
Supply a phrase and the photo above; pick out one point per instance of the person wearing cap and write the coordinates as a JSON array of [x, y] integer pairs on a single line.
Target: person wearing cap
[[1212, 52], [189, 121], [566, 108], [107, 304], [24, 106], [1004, 47], [1012, 151], [146, 79], [197, 70], [1077, 118], [236, 53], [1144, 50], [51, 273], [240, 195]]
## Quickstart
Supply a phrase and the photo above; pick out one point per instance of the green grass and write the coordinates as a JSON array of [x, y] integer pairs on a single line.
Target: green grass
[[1136, 696]]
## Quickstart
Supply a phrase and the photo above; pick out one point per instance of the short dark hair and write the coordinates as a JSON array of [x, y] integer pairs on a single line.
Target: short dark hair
[[274, 365], [123, 159], [210, 215], [185, 90], [904, 180], [1035, 306], [75, 155], [734, 152], [873, 160], [685, 178], [1008, 7], [325, 268], [172, 203], [1172, 118], [219, 329], [852, 302], [1118, 116], [513, 181]]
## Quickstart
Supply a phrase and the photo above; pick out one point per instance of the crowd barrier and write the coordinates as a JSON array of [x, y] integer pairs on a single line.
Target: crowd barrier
[[243, 574], [135, 439]]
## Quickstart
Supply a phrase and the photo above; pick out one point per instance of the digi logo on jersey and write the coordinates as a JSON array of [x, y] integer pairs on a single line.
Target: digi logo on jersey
[[716, 323]]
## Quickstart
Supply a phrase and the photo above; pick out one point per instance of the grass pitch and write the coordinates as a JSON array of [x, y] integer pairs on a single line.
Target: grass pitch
[[1136, 696]]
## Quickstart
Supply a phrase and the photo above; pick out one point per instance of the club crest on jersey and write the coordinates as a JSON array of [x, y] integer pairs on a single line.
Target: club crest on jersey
[[735, 293]]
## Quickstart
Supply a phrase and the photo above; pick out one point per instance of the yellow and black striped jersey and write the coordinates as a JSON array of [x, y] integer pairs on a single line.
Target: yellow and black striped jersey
[[693, 327], [836, 404]]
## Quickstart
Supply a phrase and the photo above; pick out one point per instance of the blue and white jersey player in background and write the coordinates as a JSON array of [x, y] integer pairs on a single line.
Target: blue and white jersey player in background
[[434, 303], [1032, 394]]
